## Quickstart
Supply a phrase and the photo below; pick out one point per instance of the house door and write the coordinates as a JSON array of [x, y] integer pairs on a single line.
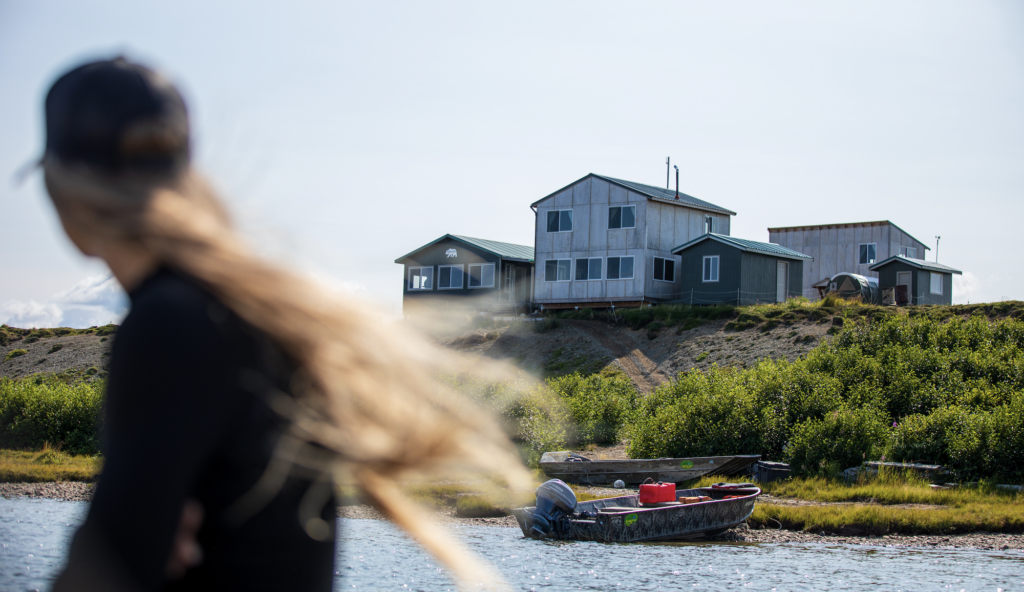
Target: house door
[[781, 281], [903, 278]]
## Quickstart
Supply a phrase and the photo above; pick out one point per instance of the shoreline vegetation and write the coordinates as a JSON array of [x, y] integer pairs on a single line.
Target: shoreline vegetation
[[938, 385]]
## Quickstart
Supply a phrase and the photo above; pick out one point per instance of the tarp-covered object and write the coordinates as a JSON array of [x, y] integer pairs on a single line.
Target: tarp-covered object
[[852, 285]]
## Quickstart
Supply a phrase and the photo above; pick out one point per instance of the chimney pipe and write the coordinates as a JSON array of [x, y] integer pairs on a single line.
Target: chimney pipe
[[677, 181]]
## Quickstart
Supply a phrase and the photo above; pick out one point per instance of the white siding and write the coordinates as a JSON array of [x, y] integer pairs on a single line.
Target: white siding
[[659, 228]]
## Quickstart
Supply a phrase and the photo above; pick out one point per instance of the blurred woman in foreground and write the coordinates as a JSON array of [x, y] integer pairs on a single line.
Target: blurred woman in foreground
[[236, 388]]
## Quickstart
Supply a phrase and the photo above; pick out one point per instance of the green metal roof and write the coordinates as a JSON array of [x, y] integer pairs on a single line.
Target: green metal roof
[[667, 195], [745, 245], [919, 263], [503, 250]]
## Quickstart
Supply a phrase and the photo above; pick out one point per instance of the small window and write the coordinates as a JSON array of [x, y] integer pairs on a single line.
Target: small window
[[867, 253], [909, 252], [557, 270], [711, 268], [936, 283], [710, 224], [449, 277], [481, 275], [421, 278], [622, 217], [664, 269], [588, 269], [620, 268], [560, 221]]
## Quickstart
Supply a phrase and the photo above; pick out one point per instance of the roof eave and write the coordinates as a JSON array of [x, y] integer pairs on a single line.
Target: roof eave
[[716, 210]]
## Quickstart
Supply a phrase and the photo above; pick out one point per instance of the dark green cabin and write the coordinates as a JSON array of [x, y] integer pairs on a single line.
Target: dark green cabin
[[927, 282], [461, 274], [720, 269]]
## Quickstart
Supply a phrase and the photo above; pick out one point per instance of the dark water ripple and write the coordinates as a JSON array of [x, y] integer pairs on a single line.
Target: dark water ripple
[[35, 534]]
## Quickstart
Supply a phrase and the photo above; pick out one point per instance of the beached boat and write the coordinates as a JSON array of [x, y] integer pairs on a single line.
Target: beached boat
[[574, 468], [623, 520]]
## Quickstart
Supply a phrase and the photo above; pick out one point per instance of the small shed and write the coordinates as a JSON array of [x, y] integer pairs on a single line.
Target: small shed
[[465, 274], [720, 269], [927, 282]]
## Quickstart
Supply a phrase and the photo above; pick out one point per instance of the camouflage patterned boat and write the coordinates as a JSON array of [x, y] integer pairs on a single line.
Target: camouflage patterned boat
[[623, 520], [574, 468]]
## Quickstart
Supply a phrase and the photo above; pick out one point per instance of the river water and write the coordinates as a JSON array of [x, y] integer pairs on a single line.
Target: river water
[[374, 555]]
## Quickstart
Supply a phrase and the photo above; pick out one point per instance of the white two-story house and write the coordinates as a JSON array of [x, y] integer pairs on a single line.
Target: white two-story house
[[602, 241]]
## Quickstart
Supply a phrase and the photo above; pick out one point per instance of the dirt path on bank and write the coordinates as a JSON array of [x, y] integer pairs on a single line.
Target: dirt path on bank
[[641, 370]]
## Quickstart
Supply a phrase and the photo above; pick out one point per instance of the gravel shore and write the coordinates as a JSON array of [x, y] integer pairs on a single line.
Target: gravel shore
[[74, 491], [68, 491]]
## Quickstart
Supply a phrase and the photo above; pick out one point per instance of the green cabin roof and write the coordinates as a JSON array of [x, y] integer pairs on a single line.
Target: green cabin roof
[[745, 245], [503, 250], [918, 263]]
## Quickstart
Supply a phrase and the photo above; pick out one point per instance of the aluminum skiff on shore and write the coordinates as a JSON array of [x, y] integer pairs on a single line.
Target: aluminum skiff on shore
[[574, 468], [622, 520]]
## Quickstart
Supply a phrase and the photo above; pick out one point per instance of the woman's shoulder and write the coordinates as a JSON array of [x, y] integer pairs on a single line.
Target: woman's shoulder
[[173, 309]]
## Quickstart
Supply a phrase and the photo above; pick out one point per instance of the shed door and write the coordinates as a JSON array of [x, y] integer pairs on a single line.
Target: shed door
[[781, 281]]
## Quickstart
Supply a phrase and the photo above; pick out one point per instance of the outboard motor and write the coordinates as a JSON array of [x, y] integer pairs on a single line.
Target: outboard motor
[[554, 500]]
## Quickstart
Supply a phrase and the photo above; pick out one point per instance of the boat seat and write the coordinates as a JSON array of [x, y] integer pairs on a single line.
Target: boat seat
[[662, 504]]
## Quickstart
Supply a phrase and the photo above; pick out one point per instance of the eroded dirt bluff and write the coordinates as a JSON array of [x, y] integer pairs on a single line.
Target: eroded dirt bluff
[[593, 346], [87, 354]]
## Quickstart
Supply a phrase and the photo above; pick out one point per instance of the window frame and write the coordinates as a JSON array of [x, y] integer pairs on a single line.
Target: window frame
[[620, 226], [662, 269], [716, 267], [632, 268], [559, 212], [905, 251], [469, 274], [871, 260], [931, 282], [600, 269], [546, 261], [462, 274], [410, 288], [710, 224]]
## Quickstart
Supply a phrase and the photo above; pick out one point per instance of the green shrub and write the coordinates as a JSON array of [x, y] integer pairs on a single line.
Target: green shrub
[[39, 411], [56, 348], [701, 414], [843, 438], [14, 353], [598, 406]]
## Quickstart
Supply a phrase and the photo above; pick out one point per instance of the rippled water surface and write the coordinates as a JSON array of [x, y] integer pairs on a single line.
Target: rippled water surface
[[35, 533]]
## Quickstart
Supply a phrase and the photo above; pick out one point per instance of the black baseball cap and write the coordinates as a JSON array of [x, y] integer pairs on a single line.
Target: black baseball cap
[[117, 117]]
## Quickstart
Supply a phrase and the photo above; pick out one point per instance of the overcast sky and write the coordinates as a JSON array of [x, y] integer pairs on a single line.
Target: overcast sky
[[345, 135]]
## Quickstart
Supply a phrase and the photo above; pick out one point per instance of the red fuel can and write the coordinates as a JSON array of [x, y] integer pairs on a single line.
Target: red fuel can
[[653, 493]]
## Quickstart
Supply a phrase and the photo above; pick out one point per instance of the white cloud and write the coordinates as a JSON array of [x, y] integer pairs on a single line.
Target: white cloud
[[96, 300], [966, 288]]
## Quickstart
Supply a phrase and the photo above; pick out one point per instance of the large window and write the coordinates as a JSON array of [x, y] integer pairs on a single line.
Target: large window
[[664, 269], [710, 224], [421, 278], [588, 269], [481, 275], [449, 277], [909, 252], [867, 253], [620, 268], [936, 283], [560, 221], [557, 270], [711, 268], [622, 217]]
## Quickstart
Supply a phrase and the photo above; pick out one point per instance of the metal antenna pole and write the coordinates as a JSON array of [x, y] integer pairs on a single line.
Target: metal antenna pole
[[677, 182], [937, 248], [668, 170]]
